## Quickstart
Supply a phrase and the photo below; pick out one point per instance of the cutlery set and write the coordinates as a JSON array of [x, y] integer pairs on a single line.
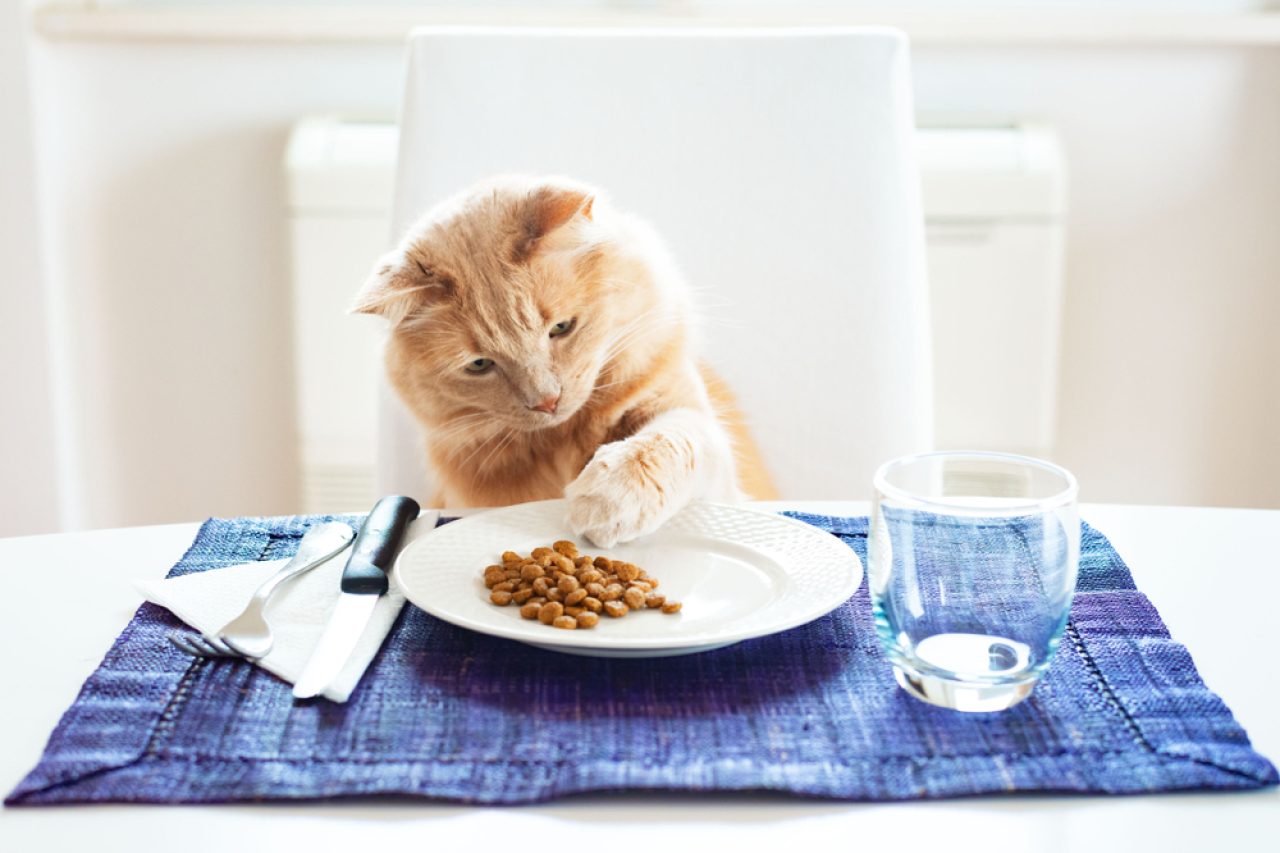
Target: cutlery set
[[364, 582]]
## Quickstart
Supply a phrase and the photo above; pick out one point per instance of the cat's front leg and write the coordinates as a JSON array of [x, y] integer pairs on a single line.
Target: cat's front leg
[[631, 487]]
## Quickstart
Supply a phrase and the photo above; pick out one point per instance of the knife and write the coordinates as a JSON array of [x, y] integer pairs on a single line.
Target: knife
[[364, 581]]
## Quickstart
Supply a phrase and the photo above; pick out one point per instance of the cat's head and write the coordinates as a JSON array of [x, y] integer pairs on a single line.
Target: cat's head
[[498, 303]]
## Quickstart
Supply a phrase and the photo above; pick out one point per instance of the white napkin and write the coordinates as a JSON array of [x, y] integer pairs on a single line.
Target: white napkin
[[297, 613]]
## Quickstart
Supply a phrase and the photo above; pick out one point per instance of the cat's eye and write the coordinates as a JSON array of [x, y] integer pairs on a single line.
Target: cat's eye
[[564, 327], [480, 365]]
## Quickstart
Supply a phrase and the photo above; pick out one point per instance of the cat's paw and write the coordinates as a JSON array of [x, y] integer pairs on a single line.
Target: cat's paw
[[628, 489]]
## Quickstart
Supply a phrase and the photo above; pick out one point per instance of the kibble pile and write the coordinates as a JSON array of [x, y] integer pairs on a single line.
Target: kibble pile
[[563, 589]]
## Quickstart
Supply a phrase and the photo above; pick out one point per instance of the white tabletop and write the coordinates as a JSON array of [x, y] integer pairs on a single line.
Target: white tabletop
[[1205, 570]]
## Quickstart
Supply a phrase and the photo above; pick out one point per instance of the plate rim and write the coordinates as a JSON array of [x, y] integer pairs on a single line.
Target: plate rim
[[573, 639]]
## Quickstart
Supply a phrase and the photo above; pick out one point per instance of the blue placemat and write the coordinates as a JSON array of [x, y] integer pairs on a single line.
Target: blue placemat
[[449, 714]]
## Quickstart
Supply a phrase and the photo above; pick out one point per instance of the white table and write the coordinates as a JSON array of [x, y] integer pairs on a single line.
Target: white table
[[1214, 574]]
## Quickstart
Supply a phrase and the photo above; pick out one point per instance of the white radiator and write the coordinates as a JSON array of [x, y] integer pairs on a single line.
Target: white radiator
[[994, 201], [341, 178], [994, 204]]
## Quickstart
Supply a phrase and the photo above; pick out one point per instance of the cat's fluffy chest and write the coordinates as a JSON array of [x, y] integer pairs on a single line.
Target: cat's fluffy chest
[[529, 466]]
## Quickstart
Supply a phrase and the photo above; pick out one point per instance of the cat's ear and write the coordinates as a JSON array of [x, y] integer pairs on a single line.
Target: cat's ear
[[550, 209], [395, 286], [553, 207]]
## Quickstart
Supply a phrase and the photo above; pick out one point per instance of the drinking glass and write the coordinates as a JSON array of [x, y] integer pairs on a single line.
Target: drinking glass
[[971, 562]]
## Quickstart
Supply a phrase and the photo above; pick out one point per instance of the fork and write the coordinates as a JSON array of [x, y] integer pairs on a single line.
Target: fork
[[202, 647], [248, 635]]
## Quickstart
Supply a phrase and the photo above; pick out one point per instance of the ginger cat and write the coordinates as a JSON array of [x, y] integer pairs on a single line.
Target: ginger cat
[[543, 340]]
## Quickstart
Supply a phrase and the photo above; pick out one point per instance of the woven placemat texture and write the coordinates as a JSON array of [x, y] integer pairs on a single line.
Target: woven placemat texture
[[449, 714]]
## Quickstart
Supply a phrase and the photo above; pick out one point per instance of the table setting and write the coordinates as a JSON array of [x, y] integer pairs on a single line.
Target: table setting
[[790, 686]]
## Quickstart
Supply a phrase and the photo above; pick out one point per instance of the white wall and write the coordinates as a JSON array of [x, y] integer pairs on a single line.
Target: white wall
[[160, 174], [1169, 385], [159, 168], [27, 472]]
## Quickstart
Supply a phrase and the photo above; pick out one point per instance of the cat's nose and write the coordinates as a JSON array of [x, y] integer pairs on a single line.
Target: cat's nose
[[548, 404]]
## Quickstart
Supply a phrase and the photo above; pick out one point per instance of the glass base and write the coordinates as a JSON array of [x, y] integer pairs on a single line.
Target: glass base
[[959, 695]]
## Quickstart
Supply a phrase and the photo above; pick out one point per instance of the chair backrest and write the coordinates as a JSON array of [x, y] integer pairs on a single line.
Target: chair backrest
[[779, 167]]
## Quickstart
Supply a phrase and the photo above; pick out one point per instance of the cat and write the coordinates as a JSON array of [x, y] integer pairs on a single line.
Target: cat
[[545, 342]]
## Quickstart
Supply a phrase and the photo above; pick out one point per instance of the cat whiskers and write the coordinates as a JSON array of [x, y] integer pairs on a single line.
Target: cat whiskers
[[478, 447], [701, 309], [467, 418], [456, 427], [498, 448], [637, 327], [476, 435], [705, 312], [600, 386]]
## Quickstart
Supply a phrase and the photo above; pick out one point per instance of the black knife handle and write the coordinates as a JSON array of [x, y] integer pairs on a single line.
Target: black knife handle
[[377, 544]]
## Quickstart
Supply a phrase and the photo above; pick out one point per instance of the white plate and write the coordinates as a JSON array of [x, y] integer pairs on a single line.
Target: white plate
[[740, 573]]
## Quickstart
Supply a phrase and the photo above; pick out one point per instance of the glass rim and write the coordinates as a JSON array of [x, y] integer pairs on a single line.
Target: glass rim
[[1067, 495]]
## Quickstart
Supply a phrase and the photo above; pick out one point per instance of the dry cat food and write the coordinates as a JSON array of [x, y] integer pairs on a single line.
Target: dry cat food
[[559, 587]]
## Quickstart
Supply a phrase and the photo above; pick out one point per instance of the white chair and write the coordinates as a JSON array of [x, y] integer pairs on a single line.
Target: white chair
[[779, 167]]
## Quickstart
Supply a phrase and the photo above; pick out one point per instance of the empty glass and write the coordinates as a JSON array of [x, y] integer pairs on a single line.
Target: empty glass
[[972, 562]]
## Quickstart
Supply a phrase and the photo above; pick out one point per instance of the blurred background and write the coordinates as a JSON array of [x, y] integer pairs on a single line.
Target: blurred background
[[191, 192]]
